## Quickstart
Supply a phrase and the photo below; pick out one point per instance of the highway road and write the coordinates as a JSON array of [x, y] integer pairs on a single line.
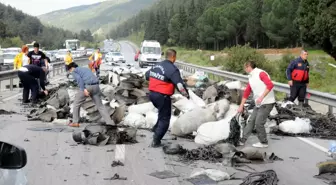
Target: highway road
[[55, 159]]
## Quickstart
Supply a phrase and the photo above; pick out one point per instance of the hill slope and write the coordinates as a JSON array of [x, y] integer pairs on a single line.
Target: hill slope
[[18, 28], [104, 15]]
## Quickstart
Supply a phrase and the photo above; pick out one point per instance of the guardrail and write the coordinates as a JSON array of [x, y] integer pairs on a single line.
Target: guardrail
[[316, 96], [57, 68]]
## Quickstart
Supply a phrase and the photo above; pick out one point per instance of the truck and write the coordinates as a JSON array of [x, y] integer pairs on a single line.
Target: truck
[[150, 53], [72, 44]]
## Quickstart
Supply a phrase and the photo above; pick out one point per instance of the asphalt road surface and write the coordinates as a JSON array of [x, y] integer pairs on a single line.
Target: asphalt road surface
[[55, 159]]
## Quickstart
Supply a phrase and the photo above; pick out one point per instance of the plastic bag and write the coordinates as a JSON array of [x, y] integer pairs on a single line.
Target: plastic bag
[[141, 108], [296, 127], [190, 121]]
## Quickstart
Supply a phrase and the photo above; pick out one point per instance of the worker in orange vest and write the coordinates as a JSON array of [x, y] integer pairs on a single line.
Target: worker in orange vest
[[95, 62]]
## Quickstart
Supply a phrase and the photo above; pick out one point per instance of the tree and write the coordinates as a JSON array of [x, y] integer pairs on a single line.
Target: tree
[[277, 20], [317, 20]]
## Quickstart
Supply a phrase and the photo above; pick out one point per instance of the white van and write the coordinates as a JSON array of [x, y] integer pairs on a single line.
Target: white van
[[150, 53]]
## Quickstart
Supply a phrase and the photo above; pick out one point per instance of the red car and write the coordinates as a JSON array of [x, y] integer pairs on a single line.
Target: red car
[[137, 55]]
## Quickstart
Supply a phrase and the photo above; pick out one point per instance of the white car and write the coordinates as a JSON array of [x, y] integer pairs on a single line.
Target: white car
[[9, 58], [60, 55], [114, 57], [51, 56]]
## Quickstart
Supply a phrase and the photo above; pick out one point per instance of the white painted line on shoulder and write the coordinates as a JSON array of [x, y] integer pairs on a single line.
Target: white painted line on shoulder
[[120, 153], [313, 144]]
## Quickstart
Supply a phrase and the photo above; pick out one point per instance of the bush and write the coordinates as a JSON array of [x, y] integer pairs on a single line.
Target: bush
[[239, 55], [281, 66]]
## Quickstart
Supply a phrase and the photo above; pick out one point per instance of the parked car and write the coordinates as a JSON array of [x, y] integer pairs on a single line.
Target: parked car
[[114, 57], [12, 159]]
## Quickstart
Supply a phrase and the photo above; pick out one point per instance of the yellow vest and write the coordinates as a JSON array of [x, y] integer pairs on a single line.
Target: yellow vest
[[68, 59], [18, 61]]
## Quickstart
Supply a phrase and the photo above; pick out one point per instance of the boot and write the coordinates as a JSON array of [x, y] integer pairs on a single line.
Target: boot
[[300, 104]]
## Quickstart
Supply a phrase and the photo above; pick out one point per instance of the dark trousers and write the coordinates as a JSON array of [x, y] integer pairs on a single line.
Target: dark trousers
[[163, 104], [29, 84], [298, 90]]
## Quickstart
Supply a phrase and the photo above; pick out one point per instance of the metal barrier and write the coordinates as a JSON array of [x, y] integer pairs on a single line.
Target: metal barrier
[[316, 96], [57, 68]]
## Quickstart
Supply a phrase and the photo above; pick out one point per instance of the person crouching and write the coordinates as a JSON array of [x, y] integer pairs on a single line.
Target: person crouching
[[28, 75]]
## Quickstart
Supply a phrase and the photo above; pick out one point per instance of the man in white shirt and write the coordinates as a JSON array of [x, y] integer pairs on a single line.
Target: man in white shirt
[[261, 86]]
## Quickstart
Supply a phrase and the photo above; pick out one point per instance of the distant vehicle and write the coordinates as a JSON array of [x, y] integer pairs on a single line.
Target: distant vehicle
[[12, 50], [89, 51], [150, 53], [136, 57], [9, 58], [114, 57], [60, 55], [51, 56], [72, 44]]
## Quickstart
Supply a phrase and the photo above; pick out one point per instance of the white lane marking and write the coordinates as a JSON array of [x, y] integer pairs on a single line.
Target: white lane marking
[[319, 147], [120, 153]]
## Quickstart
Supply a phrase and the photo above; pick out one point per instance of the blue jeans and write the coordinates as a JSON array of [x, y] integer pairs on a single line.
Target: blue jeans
[[163, 104]]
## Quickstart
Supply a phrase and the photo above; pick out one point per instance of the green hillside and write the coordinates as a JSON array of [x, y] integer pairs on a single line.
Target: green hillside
[[104, 15], [18, 28]]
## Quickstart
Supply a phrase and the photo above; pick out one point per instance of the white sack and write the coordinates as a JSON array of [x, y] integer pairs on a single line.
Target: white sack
[[296, 127], [234, 85], [151, 118], [177, 97], [213, 174], [114, 104], [284, 104], [197, 100], [274, 112], [135, 120], [185, 105], [212, 132], [190, 121], [113, 78], [221, 107], [141, 108]]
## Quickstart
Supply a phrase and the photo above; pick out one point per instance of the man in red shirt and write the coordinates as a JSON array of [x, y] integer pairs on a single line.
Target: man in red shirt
[[261, 86]]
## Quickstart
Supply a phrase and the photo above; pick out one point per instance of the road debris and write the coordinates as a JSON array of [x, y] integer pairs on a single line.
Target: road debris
[[26, 140], [213, 174], [5, 112], [117, 163], [268, 177], [101, 135], [201, 180], [164, 174], [110, 150], [116, 177], [67, 157], [85, 175]]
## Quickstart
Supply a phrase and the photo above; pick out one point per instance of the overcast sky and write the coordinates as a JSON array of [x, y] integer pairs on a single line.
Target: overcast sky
[[38, 7]]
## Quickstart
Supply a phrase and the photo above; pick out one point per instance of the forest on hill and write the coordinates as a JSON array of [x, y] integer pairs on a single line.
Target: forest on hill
[[217, 24], [18, 28]]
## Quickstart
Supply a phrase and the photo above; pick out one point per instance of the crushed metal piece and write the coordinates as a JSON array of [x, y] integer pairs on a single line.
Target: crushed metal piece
[[117, 163], [116, 177], [67, 157], [273, 157], [86, 175], [208, 153], [164, 174], [26, 140]]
